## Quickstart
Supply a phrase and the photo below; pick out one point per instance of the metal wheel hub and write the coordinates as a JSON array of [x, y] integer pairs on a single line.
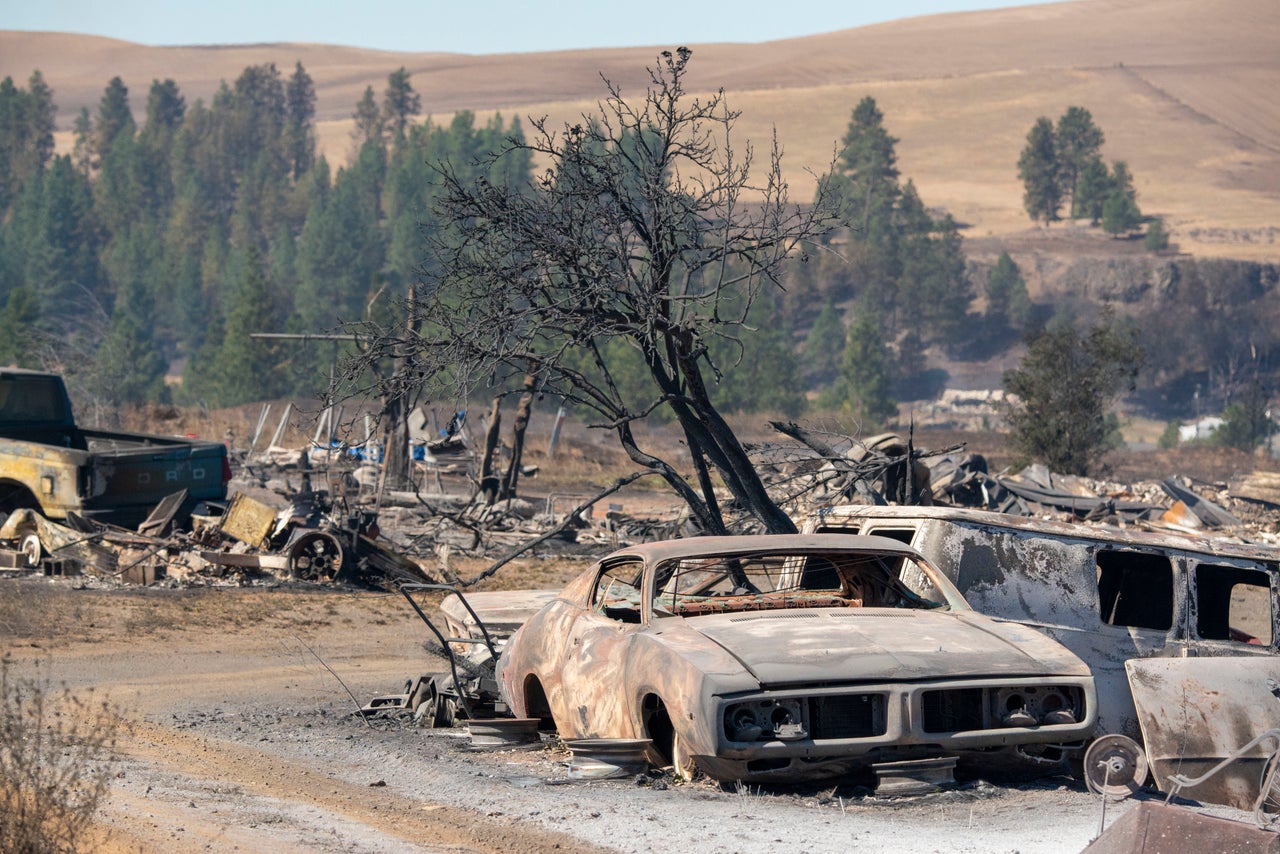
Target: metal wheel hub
[[315, 557], [1115, 765]]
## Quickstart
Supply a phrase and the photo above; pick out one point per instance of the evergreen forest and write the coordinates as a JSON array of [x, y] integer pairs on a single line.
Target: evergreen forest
[[164, 241]]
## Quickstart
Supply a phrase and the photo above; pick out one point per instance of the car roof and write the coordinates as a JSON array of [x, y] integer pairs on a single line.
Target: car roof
[[692, 547]]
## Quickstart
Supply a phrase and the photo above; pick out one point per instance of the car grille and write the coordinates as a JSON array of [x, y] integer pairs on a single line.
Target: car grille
[[847, 716], [952, 711]]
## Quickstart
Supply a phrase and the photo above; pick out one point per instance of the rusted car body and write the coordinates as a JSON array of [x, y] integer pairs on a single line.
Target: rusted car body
[[1111, 596], [788, 657]]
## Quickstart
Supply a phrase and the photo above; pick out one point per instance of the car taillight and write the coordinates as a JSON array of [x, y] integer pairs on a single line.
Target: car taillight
[[226, 471]]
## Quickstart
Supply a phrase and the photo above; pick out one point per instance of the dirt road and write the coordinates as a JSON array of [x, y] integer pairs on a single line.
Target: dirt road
[[243, 741]]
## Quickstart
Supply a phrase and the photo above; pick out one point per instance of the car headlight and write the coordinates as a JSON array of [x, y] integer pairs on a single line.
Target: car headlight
[[762, 720]]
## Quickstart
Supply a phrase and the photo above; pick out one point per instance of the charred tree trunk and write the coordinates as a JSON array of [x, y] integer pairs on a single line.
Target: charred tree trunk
[[708, 432], [488, 480], [517, 439], [697, 506]]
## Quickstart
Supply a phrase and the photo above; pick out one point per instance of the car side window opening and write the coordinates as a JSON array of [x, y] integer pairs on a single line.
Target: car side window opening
[[1233, 604], [617, 594], [850, 527], [1135, 589], [902, 535]]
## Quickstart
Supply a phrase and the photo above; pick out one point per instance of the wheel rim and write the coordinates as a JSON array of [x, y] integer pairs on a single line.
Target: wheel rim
[[32, 550], [682, 764], [315, 557], [1115, 765]]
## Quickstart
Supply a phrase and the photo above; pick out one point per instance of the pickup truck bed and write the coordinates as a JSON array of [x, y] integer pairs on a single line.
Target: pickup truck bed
[[49, 464]]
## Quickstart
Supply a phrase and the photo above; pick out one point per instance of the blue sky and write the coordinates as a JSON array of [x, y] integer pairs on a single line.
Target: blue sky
[[465, 26]]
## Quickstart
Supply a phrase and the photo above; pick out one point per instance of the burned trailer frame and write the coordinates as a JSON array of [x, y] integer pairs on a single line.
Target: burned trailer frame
[[1109, 595]]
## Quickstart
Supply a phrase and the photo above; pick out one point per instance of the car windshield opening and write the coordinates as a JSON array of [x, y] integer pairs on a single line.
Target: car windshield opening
[[772, 580]]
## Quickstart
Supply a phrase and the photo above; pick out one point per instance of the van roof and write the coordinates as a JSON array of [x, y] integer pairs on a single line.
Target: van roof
[[1108, 534]]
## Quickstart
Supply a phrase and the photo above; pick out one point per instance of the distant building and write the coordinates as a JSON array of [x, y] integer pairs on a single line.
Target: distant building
[[1202, 429]]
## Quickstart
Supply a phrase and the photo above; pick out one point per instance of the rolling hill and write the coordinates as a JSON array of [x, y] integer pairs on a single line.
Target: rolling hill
[[1183, 89]]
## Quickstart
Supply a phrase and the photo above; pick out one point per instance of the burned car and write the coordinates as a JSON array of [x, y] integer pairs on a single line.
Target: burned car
[[788, 657]]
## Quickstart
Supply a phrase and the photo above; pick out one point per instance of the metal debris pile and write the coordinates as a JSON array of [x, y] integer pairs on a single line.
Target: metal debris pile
[[827, 471], [325, 513]]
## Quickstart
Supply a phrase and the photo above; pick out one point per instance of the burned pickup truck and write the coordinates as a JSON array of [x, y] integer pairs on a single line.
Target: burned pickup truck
[[50, 464]]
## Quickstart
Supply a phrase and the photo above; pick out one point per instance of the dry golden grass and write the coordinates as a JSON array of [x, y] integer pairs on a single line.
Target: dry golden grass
[[1182, 88], [37, 612]]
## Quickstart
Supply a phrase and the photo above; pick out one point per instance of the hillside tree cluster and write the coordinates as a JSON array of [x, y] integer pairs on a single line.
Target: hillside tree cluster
[[1062, 166]]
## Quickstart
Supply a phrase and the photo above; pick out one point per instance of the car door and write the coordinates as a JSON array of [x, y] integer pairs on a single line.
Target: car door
[[593, 672]]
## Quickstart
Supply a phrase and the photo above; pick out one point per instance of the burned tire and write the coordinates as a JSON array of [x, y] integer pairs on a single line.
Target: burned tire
[[316, 556]]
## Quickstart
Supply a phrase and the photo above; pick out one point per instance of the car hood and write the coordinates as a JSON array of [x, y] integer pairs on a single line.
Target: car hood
[[788, 647]]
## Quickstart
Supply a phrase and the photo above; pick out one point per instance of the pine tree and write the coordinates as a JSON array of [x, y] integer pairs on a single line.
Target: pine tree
[[1079, 142], [399, 103], [128, 366], [759, 371], [1092, 189], [340, 250], [863, 389], [1120, 214], [1038, 170], [41, 111], [59, 238], [1156, 238], [18, 322], [115, 119], [370, 125], [1064, 386], [300, 134], [824, 345], [245, 368], [866, 168], [1008, 304], [82, 150], [26, 135]]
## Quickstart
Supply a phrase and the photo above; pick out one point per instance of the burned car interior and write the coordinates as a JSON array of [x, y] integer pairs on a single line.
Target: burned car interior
[[766, 581]]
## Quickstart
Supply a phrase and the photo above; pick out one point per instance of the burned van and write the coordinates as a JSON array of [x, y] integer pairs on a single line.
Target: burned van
[[1116, 598]]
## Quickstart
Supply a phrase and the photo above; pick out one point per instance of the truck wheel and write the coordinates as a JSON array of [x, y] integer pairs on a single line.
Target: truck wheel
[[315, 557]]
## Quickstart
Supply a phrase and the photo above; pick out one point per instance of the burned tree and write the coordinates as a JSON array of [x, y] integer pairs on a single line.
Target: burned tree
[[643, 241]]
